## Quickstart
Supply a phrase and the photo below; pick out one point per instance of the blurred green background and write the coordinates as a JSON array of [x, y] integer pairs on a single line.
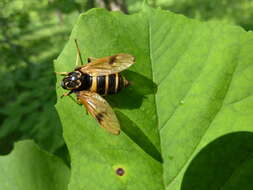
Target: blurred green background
[[32, 34]]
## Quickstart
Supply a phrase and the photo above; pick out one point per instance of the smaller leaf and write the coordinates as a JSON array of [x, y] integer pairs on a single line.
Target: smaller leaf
[[30, 168]]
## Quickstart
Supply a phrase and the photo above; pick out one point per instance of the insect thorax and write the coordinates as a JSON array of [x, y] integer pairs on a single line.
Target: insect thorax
[[86, 82]]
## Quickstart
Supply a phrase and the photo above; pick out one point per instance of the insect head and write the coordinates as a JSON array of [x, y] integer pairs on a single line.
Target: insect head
[[72, 80]]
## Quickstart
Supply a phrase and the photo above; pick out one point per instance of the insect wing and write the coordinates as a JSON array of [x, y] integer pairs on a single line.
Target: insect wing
[[100, 110], [108, 65]]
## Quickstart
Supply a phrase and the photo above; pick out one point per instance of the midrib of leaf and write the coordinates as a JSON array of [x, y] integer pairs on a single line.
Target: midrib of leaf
[[152, 74]]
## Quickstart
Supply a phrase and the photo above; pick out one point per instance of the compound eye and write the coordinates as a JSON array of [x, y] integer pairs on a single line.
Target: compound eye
[[71, 84], [75, 75], [68, 83], [71, 81], [73, 78]]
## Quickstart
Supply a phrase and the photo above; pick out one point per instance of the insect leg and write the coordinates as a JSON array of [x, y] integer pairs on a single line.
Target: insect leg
[[78, 101], [127, 83], [66, 94]]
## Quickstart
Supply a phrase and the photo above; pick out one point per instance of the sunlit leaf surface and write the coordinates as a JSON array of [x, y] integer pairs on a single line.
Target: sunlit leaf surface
[[191, 88]]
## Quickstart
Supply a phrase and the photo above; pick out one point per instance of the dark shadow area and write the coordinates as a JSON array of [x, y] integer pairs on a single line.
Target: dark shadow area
[[7, 142], [64, 7], [128, 99], [63, 153], [140, 83], [132, 96], [247, 26], [70, 6], [226, 163], [138, 137]]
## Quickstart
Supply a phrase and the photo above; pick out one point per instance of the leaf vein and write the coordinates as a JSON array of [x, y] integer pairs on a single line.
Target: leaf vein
[[151, 64]]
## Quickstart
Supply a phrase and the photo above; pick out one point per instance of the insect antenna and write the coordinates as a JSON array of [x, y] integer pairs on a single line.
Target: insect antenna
[[78, 51]]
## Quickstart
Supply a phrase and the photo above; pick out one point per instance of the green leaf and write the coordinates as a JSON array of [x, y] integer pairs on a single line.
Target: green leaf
[[192, 85], [28, 167]]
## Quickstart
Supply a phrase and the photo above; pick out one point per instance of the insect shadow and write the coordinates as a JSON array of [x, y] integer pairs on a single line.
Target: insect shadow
[[132, 97], [135, 133]]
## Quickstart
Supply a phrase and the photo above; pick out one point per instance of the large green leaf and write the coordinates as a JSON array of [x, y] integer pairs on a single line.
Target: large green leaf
[[30, 168], [192, 85]]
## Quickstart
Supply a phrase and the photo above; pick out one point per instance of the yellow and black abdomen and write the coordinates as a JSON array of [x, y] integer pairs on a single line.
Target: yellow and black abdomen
[[107, 84]]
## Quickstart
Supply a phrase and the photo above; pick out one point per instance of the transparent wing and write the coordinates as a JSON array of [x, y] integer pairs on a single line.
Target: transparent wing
[[100, 110], [108, 65]]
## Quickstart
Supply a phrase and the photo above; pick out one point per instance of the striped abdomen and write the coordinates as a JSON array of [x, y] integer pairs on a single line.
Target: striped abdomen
[[108, 84]]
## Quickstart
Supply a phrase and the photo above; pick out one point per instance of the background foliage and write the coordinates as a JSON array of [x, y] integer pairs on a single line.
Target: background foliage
[[32, 34]]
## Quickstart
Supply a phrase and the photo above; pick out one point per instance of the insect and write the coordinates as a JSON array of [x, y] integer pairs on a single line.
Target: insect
[[98, 78]]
